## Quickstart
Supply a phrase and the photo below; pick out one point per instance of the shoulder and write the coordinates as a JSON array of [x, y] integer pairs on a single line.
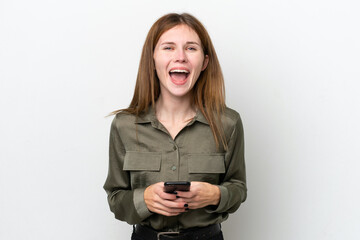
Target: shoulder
[[230, 117], [231, 114], [123, 120], [231, 120]]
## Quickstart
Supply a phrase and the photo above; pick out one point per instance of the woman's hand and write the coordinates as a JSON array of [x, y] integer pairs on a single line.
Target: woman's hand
[[201, 194], [161, 202]]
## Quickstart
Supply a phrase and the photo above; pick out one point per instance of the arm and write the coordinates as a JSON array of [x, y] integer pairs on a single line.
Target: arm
[[127, 204], [233, 188]]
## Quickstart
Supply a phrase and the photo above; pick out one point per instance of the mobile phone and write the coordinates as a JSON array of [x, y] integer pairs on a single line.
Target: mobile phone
[[170, 187]]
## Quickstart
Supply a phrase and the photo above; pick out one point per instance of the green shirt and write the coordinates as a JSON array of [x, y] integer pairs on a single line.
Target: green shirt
[[142, 152]]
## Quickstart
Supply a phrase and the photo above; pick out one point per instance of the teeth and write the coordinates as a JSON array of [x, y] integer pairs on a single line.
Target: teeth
[[179, 71]]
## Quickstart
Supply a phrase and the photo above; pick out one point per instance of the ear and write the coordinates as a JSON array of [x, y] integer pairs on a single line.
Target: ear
[[205, 63]]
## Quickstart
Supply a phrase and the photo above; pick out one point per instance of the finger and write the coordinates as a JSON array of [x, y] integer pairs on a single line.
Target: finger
[[177, 204], [182, 194], [170, 210], [194, 204], [167, 196], [158, 208]]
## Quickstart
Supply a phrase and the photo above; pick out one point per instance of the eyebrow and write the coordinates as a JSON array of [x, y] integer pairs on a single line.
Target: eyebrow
[[173, 43]]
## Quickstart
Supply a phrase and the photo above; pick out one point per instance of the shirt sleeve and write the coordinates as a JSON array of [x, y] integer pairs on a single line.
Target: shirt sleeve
[[233, 187], [126, 204]]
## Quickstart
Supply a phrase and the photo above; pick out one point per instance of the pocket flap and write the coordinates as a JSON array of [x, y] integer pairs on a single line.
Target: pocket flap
[[142, 161], [206, 163]]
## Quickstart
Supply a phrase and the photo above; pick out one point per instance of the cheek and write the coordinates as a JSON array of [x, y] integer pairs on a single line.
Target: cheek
[[199, 63], [160, 64], [197, 71], [160, 70]]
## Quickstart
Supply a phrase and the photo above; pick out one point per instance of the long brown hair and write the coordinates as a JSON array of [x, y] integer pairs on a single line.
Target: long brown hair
[[208, 91]]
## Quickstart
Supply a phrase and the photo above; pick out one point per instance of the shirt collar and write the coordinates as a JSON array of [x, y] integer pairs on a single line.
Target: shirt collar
[[147, 117], [150, 117], [200, 117]]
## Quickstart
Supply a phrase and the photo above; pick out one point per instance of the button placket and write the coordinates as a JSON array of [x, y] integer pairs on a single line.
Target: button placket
[[175, 165]]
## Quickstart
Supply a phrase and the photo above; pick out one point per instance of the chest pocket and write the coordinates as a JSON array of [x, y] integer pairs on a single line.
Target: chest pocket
[[144, 168], [206, 167]]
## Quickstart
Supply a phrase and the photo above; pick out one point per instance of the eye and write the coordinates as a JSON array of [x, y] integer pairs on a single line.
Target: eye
[[191, 48], [167, 48]]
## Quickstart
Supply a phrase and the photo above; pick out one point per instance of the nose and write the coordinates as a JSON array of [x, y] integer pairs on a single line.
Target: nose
[[180, 55]]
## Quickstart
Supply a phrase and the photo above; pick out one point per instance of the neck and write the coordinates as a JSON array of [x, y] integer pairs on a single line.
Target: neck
[[174, 109]]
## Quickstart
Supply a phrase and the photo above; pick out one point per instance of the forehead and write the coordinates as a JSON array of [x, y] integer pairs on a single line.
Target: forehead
[[180, 33]]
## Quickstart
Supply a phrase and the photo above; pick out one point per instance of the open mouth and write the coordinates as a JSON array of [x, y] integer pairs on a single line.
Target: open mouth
[[179, 76]]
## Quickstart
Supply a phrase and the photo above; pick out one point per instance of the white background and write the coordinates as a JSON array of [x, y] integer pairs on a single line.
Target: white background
[[291, 70]]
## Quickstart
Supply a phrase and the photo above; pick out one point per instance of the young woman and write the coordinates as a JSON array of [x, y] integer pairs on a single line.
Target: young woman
[[177, 128]]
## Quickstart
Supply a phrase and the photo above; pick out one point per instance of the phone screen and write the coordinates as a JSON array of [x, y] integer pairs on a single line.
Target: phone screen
[[170, 187]]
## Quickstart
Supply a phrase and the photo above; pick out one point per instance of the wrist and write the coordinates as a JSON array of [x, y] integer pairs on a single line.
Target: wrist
[[146, 191], [217, 195]]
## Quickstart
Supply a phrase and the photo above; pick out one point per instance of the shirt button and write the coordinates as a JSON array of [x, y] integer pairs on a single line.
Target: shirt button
[[173, 168], [174, 148]]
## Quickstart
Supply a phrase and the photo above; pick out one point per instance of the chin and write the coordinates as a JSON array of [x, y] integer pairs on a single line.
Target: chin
[[184, 91]]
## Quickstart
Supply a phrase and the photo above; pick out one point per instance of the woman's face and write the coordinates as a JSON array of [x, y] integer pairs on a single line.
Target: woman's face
[[179, 60]]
